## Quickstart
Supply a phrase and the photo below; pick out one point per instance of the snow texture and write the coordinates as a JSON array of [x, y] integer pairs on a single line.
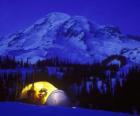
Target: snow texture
[[73, 38], [20, 109]]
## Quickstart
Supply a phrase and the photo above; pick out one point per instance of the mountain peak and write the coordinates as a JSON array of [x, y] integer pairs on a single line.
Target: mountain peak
[[73, 38]]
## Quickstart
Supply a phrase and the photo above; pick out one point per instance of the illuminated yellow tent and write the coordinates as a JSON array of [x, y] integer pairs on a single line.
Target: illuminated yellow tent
[[44, 93], [37, 92]]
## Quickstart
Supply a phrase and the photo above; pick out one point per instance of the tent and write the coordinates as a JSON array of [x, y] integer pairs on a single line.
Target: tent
[[43, 93], [58, 97]]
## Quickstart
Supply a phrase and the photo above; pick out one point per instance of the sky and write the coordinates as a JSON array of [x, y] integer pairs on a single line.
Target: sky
[[19, 14]]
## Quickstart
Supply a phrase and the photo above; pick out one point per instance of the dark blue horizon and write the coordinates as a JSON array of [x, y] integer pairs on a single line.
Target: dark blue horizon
[[19, 14]]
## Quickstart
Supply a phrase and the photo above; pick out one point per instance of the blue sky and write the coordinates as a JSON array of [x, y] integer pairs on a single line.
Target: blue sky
[[19, 14]]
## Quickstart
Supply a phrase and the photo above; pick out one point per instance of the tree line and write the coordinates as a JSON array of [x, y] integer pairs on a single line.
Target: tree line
[[124, 97]]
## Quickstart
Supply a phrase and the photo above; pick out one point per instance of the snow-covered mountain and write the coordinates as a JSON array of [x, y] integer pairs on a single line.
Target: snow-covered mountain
[[73, 38]]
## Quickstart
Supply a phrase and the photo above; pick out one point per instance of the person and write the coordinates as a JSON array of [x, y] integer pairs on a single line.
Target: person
[[42, 94], [31, 94]]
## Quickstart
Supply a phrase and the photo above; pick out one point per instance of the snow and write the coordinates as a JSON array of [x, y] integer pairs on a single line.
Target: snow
[[89, 85], [73, 38], [55, 71], [20, 109], [113, 84], [22, 71], [115, 62]]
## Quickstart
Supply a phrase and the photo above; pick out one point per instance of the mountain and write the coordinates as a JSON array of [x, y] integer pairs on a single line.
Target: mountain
[[73, 38]]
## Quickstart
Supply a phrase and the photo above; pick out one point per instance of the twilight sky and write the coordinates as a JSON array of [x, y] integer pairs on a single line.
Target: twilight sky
[[19, 14]]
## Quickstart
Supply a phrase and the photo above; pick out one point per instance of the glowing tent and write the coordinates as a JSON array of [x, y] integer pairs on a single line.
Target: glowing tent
[[43, 93]]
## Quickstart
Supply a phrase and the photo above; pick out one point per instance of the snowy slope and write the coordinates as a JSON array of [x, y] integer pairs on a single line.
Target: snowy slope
[[19, 109], [73, 38]]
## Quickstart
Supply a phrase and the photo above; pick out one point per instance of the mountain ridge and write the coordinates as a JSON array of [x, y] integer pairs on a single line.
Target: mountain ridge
[[73, 38]]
